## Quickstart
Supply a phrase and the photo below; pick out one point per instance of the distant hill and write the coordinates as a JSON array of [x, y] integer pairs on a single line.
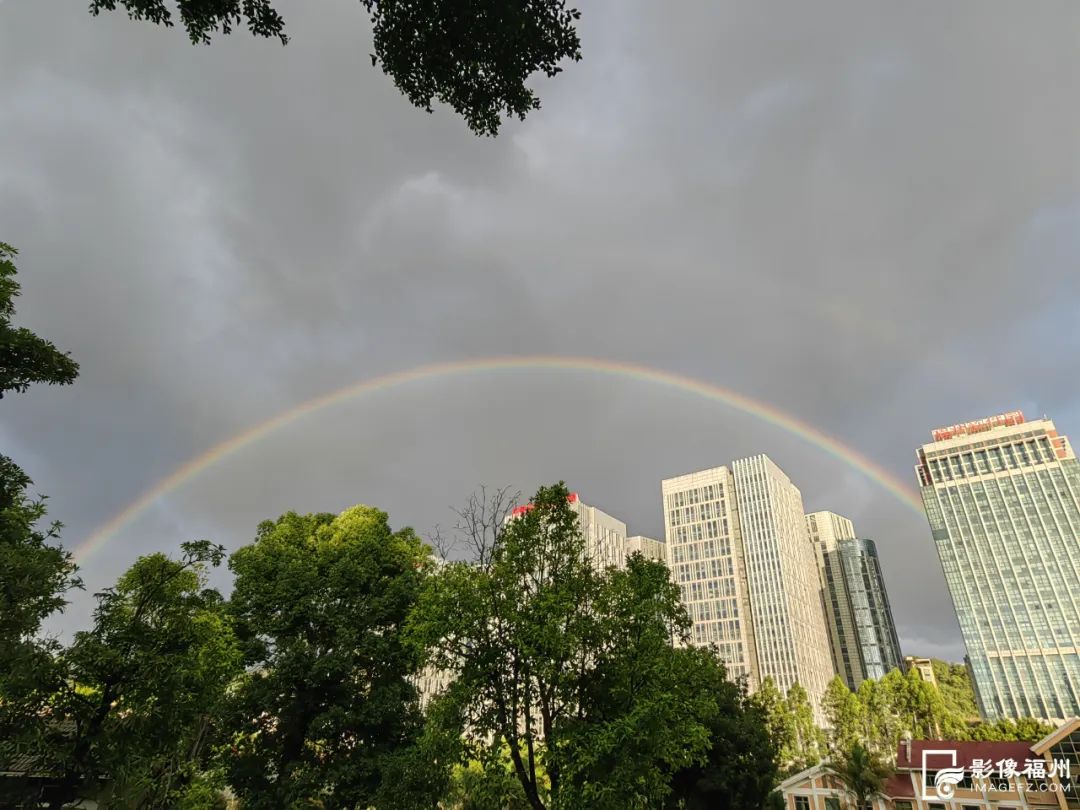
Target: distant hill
[[955, 687]]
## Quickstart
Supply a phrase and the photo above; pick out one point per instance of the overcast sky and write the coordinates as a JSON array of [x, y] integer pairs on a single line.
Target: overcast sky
[[864, 214]]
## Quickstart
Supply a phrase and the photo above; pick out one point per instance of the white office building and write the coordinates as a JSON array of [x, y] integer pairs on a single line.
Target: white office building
[[605, 536], [739, 550], [647, 547], [785, 592]]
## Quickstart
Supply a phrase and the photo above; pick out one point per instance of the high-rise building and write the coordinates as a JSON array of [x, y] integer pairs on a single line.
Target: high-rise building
[[739, 550], [826, 529], [647, 547], [875, 632], [605, 536], [705, 556], [785, 592], [862, 633], [1002, 496]]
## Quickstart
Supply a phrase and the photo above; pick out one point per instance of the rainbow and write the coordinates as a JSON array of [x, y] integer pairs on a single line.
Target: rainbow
[[761, 410]]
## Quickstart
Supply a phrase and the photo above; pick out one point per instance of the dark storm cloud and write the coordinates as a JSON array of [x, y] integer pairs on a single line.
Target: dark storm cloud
[[861, 213]]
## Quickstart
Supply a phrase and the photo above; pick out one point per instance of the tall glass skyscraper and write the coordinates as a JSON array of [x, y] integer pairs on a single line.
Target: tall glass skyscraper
[[875, 632], [862, 633], [1003, 499], [826, 530]]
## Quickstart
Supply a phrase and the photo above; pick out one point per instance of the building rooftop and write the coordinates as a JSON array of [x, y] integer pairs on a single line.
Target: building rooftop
[[978, 426], [966, 752]]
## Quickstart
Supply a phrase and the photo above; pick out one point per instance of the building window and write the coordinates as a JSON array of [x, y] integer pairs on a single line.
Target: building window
[[802, 803], [903, 805], [834, 804]]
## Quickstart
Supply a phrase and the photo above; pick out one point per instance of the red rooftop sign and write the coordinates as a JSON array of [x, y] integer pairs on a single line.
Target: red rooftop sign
[[521, 510], [979, 425]]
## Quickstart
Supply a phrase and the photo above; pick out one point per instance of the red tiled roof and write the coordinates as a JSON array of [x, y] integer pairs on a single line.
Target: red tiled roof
[[966, 752], [898, 786]]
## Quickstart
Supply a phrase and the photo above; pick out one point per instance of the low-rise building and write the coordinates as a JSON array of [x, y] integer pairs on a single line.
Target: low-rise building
[[960, 775]]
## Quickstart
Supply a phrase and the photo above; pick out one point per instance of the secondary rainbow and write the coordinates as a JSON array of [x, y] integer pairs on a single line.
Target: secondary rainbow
[[761, 410]]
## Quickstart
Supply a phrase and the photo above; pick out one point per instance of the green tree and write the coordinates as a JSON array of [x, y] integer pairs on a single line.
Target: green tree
[[25, 358], [844, 715], [328, 713], [476, 58], [902, 703], [917, 703], [1006, 730], [862, 773], [740, 769], [516, 630], [36, 573], [141, 689], [889, 711], [809, 740], [486, 784], [955, 686], [780, 726], [645, 709], [570, 669]]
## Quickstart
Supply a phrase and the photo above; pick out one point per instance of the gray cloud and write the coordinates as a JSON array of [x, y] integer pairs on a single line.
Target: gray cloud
[[861, 213]]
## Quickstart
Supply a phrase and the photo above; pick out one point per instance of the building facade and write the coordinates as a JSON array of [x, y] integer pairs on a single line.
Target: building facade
[[862, 633], [647, 547], [958, 775], [785, 591], [826, 529], [739, 550], [605, 536], [875, 631], [704, 553], [1002, 496], [923, 666]]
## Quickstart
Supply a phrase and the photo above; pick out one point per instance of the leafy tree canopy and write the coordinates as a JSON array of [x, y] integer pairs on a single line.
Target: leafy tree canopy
[[790, 723], [328, 710], [845, 717], [25, 358], [131, 699], [862, 773], [882, 712], [954, 684], [475, 57], [739, 769], [570, 671], [35, 571]]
